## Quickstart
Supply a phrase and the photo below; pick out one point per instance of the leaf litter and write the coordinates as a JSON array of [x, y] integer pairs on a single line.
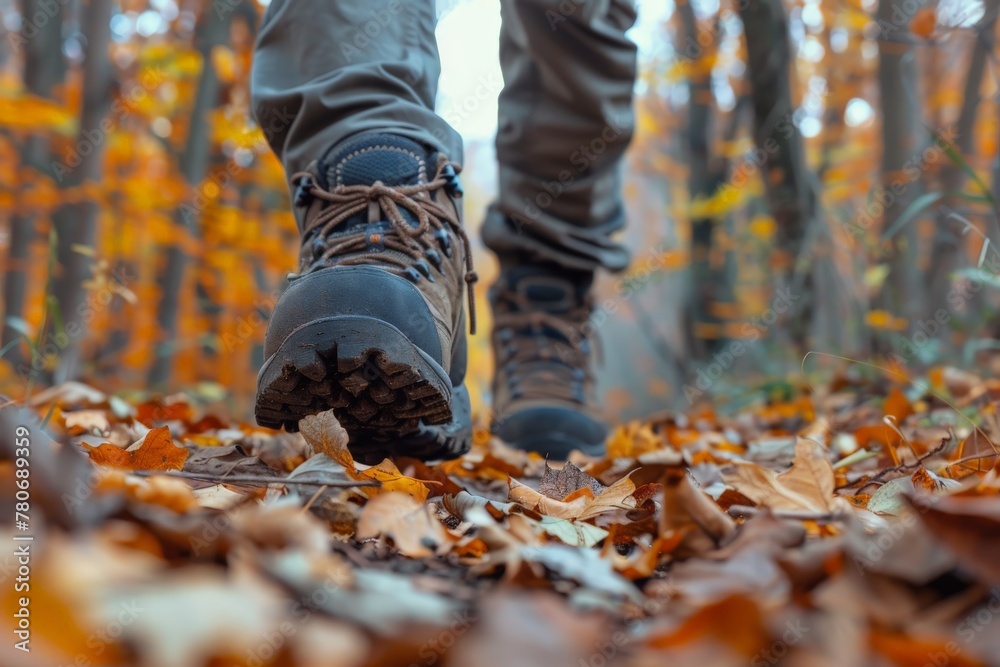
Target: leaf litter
[[858, 525]]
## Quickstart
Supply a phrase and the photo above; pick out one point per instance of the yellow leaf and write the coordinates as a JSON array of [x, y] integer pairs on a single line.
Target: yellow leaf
[[393, 480], [763, 227], [881, 319]]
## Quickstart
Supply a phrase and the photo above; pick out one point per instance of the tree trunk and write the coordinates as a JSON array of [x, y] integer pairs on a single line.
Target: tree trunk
[[76, 224], [902, 138], [947, 251], [790, 188], [711, 279], [194, 164], [43, 69]]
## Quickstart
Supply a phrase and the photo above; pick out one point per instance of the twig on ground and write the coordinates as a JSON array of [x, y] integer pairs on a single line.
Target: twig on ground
[[253, 479]]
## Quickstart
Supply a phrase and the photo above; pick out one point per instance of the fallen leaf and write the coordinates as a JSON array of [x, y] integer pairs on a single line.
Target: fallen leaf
[[897, 405], [324, 432], [561, 483], [573, 533], [156, 451], [391, 480], [969, 527], [406, 521], [806, 485], [687, 508]]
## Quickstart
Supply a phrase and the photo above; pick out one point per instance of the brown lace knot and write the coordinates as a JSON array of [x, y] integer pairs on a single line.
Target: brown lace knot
[[350, 200]]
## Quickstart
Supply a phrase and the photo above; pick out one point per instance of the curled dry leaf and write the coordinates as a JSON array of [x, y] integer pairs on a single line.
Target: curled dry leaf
[[324, 432], [616, 496], [573, 533], [687, 508], [156, 451]]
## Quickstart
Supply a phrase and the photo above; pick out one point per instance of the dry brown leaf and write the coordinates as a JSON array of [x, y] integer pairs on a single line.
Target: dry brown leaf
[[86, 421], [533, 500], [156, 451], [616, 496], [969, 527], [324, 432], [807, 485], [687, 508], [405, 520]]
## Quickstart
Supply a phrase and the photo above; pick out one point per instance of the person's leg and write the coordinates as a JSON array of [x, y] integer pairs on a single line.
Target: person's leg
[[325, 70], [565, 121], [372, 326]]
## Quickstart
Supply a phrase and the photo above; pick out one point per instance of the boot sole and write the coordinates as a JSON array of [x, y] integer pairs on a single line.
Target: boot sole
[[379, 384]]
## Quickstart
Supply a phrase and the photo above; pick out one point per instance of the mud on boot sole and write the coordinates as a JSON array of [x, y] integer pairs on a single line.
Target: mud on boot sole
[[444, 441], [373, 377]]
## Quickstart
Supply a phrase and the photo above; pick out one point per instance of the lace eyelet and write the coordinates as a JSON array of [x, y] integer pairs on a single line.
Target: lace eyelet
[[422, 267], [303, 191], [434, 257], [444, 240]]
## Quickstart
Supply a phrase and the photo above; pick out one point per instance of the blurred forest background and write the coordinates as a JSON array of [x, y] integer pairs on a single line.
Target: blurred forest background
[[807, 175]]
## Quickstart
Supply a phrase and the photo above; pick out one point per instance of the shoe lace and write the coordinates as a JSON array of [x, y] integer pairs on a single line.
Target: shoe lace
[[526, 340], [413, 242]]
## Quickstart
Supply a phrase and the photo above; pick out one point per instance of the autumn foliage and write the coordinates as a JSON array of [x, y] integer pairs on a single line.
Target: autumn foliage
[[856, 523]]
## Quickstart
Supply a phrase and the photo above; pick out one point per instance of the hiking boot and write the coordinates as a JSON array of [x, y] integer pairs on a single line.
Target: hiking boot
[[373, 326], [543, 388]]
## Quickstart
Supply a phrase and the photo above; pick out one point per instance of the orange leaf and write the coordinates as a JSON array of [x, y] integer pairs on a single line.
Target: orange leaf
[[897, 405], [924, 22], [156, 451]]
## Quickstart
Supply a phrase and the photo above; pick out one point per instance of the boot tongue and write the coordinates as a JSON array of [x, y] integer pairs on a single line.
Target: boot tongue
[[389, 158]]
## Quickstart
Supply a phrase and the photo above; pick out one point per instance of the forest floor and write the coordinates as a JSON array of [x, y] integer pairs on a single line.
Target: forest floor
[[858, 524]]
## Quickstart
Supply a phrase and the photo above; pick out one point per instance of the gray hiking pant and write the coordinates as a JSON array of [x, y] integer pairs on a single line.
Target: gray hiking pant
[[328, 69]]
